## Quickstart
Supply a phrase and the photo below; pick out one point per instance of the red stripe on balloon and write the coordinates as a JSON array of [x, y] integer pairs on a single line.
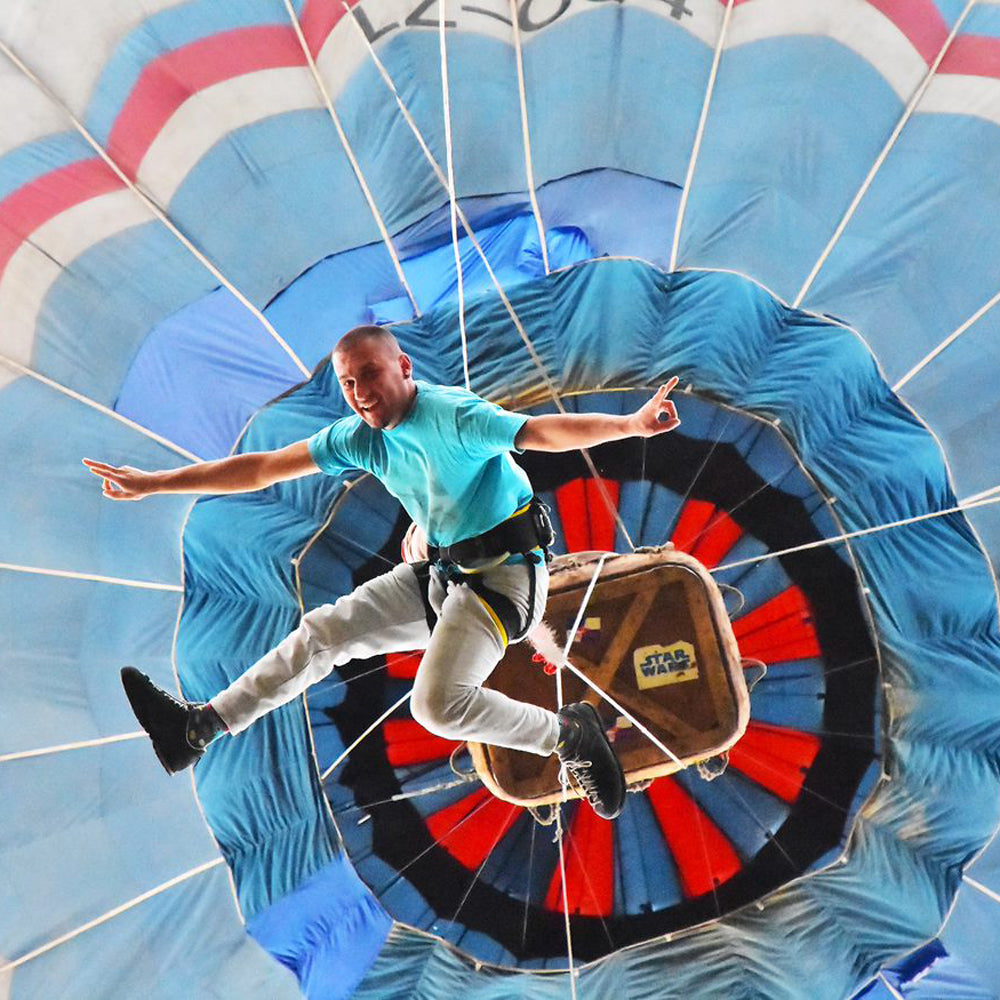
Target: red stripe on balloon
[[402, 666], [780, 630], [407, 742], [776, 758], [168, 81], [703, 855], [705, 532], [35, 203], [472, 842], [318, 19], [587, 524], [919, 20], [590, 868], [976, 55]]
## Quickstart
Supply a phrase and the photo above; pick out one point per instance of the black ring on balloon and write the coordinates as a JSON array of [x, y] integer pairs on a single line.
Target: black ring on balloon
[[815, 823]]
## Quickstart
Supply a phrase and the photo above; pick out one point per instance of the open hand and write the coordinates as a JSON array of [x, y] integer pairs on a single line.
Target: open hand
[[659, 415], [123, 482]]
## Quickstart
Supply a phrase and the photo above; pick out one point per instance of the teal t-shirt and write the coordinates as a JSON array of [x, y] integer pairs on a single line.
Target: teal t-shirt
[[448, 462]]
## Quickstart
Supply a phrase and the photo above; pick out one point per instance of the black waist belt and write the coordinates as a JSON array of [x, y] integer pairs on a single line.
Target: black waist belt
[[528, 529]]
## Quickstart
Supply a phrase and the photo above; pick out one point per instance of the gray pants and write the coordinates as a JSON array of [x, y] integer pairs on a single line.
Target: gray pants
[[387, 615]]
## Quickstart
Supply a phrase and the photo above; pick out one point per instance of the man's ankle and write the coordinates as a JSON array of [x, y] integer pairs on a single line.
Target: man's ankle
[[204, 725]]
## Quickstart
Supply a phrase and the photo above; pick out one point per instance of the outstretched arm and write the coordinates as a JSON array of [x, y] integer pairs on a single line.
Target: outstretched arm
[[567, 431], [236, 474]]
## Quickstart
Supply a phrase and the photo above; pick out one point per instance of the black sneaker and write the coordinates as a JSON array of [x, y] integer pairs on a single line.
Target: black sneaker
[[586, 754], [180, 730]]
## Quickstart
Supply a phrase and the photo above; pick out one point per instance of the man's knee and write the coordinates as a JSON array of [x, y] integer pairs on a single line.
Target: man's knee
[[441, 710]]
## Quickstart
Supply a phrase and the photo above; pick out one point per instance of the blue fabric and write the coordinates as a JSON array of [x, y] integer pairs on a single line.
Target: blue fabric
[[447, 461], [614, 95], [326, 931]]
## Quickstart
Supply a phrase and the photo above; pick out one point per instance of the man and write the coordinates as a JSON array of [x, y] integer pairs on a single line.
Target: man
[[445, 454]]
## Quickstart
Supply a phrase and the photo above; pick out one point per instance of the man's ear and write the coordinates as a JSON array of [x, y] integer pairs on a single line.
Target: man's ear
[[405, 365]]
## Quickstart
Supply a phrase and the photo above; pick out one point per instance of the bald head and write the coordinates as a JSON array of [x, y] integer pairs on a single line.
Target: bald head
[[365, 336]]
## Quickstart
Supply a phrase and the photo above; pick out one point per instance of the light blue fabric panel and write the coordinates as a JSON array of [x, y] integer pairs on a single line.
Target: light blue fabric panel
[[765, 196], [24, 164], [972, 933], [637, 112], [63, 522], [970, 435], [61, 684], [186, 942], [313, 204], [97, 312], [86, 837], [914, 261]]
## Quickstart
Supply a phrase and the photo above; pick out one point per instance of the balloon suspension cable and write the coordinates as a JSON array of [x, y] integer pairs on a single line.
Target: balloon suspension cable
[[908, 111], [696, 146], [348, 150], [452, 200], [893, 992], [529, 171], [730, 415], [99, 407], [441, 786], [563, 778], [358, 741], [63, 747], [847, 536], [477, 246], [154, 208], [116, 581], [109, 915]]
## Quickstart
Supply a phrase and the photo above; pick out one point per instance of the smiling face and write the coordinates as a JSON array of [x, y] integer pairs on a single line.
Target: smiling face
[[375, 376]]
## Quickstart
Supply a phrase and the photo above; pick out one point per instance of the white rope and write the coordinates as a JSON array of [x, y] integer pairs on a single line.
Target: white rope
[[105, 917], [526, 134], [100, 407], [696, 148], [880, 159], [992, 491], [848, 535], [67, 574], [655, 740], [570, 637], [452, 201], [62, 747], [947, 342], [892, 989], [349, 750], [979, 887], [153, 207], [515, 319], [355, 165]]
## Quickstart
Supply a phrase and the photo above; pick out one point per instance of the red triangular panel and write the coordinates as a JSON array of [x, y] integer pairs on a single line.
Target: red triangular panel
[[703, 855], [403, 666], [782, 629], [407, 742], [775, 758], [471, 843], [705, 532], [590, 867], [586, 521]]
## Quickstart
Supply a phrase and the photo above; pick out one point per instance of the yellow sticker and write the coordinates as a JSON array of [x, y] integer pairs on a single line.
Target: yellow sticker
[[659, 665], [592, 624]]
